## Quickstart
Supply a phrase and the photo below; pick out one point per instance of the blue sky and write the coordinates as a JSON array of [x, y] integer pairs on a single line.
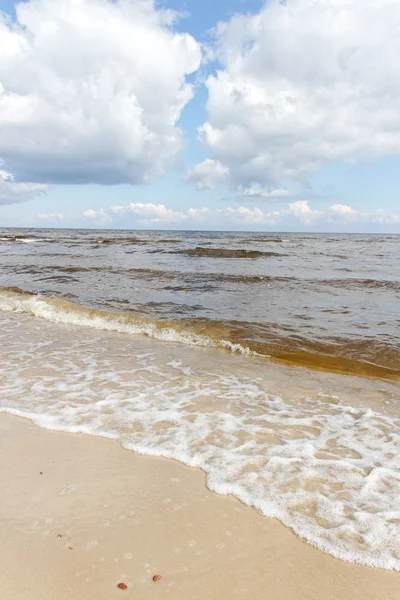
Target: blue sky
[[270, 136]]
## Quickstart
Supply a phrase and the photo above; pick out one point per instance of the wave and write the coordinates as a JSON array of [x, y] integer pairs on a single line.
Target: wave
[[267, 240], [357, 356], [63, 311], [126, 240], [192, 277], [131, 240], [226, 253], [85, 241], [23, 239], [352, 282]]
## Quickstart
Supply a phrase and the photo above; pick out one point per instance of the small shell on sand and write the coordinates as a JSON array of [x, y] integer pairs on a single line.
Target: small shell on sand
[[157, 577], [122, 586]]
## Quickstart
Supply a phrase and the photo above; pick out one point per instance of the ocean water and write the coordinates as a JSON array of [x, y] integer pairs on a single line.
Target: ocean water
[[270, 361]]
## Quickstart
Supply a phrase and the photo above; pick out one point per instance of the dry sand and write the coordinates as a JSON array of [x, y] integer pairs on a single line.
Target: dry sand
[[79, 514]]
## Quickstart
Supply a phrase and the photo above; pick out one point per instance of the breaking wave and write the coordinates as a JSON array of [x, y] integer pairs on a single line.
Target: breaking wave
[[362, 357]]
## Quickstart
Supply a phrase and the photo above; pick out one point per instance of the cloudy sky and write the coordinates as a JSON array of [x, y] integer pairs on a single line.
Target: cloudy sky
[[200, 114]]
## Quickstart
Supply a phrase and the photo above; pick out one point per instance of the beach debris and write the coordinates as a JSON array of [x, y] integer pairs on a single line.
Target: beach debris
[[157, 577], [59, 535], [122, 586], [41, 473]]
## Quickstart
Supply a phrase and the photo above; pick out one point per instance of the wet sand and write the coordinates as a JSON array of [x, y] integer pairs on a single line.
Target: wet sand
[[79, 515]]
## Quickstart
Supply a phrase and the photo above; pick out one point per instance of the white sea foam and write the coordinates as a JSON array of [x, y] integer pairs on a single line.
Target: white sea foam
[[328, 470], [59, 311], [26, 240]]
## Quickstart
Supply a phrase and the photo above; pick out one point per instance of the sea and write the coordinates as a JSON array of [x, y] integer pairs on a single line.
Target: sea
[[269, 361]]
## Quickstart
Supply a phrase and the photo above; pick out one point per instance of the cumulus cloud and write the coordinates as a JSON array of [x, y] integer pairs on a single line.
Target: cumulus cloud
[[301, 84], [199, 214], [343, 209], [91, 90], [99, 216], [206, 175], [54, 218], [303, 213], [12, 192], [295, 215], [256, 192], [150, 214], [249, 216]]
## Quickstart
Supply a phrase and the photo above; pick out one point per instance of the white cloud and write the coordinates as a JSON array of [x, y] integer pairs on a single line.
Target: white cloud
[[150, 214], [343, 209], [206, 175], [303, 83], [199, 214], [50, 217], [259, 193], [302, 212], [99, 216], [382, 217], [91, 90], [297, 215], [248, 216], [12, 192]]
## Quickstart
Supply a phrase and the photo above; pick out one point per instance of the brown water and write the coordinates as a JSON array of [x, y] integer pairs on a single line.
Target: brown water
[[319, 301]]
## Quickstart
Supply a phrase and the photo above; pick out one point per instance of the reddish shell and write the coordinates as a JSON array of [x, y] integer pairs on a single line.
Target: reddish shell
[[122, 586], [157, 577]]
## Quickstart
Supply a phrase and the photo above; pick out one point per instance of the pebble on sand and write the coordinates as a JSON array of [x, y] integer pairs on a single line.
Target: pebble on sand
[[122, 586], [157, 577]]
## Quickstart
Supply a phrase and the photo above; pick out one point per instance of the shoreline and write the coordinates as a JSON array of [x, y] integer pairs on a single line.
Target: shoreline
[[191, 334], [79, 514]]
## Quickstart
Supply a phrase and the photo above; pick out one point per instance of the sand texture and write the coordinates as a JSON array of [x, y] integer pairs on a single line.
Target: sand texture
[[79, 514]]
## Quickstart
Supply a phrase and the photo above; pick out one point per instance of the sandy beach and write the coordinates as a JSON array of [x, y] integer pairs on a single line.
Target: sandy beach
[[199, 300], [80, 514]]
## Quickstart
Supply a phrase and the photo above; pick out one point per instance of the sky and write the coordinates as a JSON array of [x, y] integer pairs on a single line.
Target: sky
[[200, 114]]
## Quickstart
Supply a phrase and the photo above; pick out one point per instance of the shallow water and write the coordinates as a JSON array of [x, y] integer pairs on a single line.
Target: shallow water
[[99, 352], [323, 301]]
